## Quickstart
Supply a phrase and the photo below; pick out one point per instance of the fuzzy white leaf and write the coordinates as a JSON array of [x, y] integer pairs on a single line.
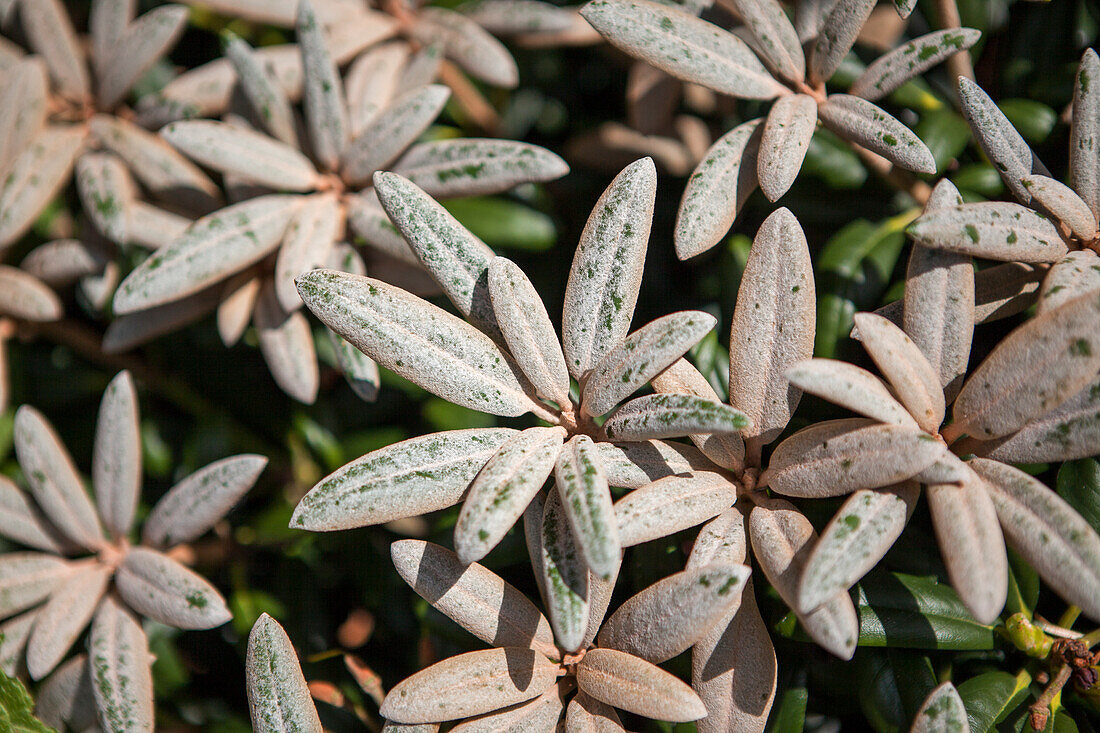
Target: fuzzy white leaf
[[134, 329], [371, 82], [862, 122], [994, 230], [35, 177], [156, 586], [911, 59], [717, 189], [51, 35], [139, 47], [586, 499], [721, 540], [197, 502], [633, 464], [786, 138], [106, 193], [25, 297], [475, 598], [776, 40], [116, 463], [267, 98], [850, 386], [942, 712], [670, 504], [27, 578], [286, 342], [473, 167], [22, 107], [513, 17], [1084, 138], [607, 268], [565, 577], [238, 302], [107, 22], [309, 238], [1000, 141], [468, 44], [322, 90], [632, 684], [23, 523], [121, 669], [278, 698], [1063, 203], [670, 416], [64, 617], [392, 131], [1070, 277], [368, 219], [836, 36], [725, 449]]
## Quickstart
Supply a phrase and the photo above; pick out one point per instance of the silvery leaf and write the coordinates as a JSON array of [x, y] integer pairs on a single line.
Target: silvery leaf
[[214, 247], [725, 449], [1000, 141], [25, 297], [942, 712], [836, 35], [134, 329], [23, 523], [565, 577], [392, 131], [322, 90], [121, 669], [405, 479], [993, 230], [309, 238], [107, 23], [1084, 164], [116, 462], [28, 578], [607, 268], [470, 684], [138, 48], [55, 483], [360, 371], [633, 464], [156, 586], [1063, 203], [1033, 370], [911, 59], [371, 82], [286, 342], [368, 219], [475, 598], [684, 46], [642, 355], [671, 615], [850, 386], [773, 326], [671, 416], [670, 504], [721, 540], [1047, 532], [1070, 277], [278, 698], [1005, 290], [809, 16], [267, 98], [632, 684], [856, 538], [106, 193], [64, 617], [22, 107], [586, 499], [473, 167], [51, 35], [787, 132], [196, 503], [862, 122], [503, 489], [35, 177], [66, 696], [717, 190], [513, 17], [468, 44], [776, 40]]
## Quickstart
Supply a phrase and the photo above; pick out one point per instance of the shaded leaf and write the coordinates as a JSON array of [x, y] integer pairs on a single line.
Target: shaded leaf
[[586, 714], [671, 504], [470, 46], [392, 131], [36, 176], [912, 377], [633, 464], [776, 39], [64, 617], [850, 386], [862, 122], [137, 48], [286, 343], [998, 139], [322, 90], [993, 230], [23, 523], [565, 577], [1074, 275], [542, 713], [586, 499], [1084, 164], [1063, 203], [27, 578], [22, 107], [52, 36], [106, 193], [24, 297], [836, 35], [267, 98], [116, 462], [670, 416], [156, 586], [786, 138], [632, 684], [725, 449]]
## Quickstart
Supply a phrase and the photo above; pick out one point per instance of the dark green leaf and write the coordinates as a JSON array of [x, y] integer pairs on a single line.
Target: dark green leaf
[[892, 685], [832, 161], [1079, 484], [1023, 586], [16, 708], [945, 133], [990, 697], [789, 713], [1034, 120], [978, 178]]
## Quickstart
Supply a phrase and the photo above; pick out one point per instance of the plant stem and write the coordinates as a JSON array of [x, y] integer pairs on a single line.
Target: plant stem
[[958, 64], [1040, 709], [900, 179], [469, 98]]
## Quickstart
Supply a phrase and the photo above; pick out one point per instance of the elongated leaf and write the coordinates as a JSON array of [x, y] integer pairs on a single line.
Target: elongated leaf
[[632, 684], [267, 98], [116, 463], [773, 325], [1072, 276], [309, 239], [368, 219], [64, 617], [1069, 432], [286, 343], [360, 371], [419, 341], [456, 259], [672, 415], [470, 684], [641, 356], [122, 679], [391, 132], [776, 40], [1063, 203], [405, 479], [372, 81], [1046, 530], [470, 46], [725, 449], [212, 248], [527, 329], [197, 502], [717, 189], [586, 714], [733, 670], [586, 499], [23, 296], [684, 46], [942, 712], [542, 713], [607, 268], [23, 523], [910, 60], [993, 230], [1033, 370], [850, 386], [565, 576], [912, 377], [510, 17], [1000, 141], [131, 330], [160, 588], [322, 90], [55, 484], [853, 542], [26, 578], [837, 35], [473, 167], [862, 122], [669, 616], [503, 489], [971, 544], [785, 140], [52, 36], [670, 504], [475, 598], [250, 155], [277, 694], [721, 540], [66, 696], [22, 107], [106, 192], [633, 464], [136, 50], [36, 176], [781, 540], [1084, 165], [863, 458], [1005, 290], [61, 262]]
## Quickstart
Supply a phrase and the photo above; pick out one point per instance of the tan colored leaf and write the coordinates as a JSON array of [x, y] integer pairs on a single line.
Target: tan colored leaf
[[22, 107], [670, 504], [850, 386], [540, 714], [371, 82], [267, 98], [468, 44], [503, 489], [52, 36], [66, 696], [632, 684], [513, 17], [725, 449], [837, 32], [368, 219], [913, 379], [910, 60], [157, 586], [1032, 371], [1070, 277], [36, 176], [286, 342], [607, 268], [475, 598], [116, 463], [773, 325], [121, 669], [470, 684], [392, 130], [776, 39], [633, 464], [24, 297], [586, 714], [23, 523], [64, 617], [61, 262], [322, 90], [721, 540], [1063, 203], [1084, 163], [1005, 290], [786, 138], [860, 121], [992, 229], [28, 578], [138, 47], [106, 193], [309, 239], [278, 698]]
